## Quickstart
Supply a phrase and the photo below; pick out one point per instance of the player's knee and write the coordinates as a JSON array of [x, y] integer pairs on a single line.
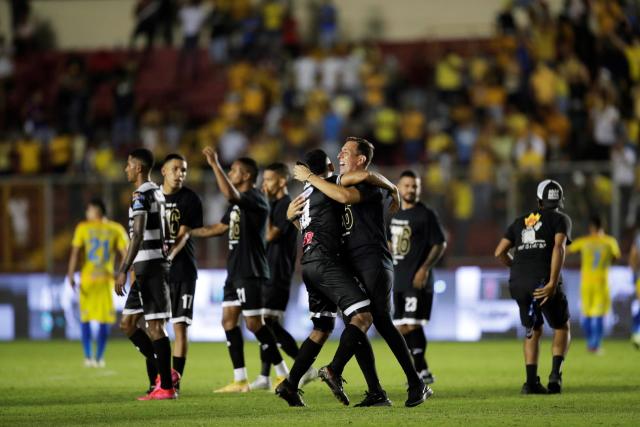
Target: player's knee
[[156, 329], [362, 320], [319, 336], [128, 325], [323, 326], [254, 323]]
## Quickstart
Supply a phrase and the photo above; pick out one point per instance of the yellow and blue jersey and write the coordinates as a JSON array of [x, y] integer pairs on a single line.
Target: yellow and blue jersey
[[101, 240]]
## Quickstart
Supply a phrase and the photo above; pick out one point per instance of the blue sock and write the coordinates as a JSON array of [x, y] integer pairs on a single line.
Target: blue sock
[[86, 339], [103, 334], [586, 326], [598, 331], [636, 323]]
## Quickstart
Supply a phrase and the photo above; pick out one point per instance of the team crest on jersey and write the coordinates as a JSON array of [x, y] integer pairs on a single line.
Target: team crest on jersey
[[137, 201], [308, 238], [532, 224]]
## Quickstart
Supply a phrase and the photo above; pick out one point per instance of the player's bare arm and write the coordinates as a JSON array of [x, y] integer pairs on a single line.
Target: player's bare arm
[[377, 180], [557, 261], [181, 241], [294, 210], [344, 195], [137, 234], [73, 262], [229, 191], [502, 252], [214, 230], [436, 252], [273, 232]]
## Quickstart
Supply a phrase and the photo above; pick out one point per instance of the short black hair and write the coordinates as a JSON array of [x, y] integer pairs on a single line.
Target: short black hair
[[596, 220], [250, 166], [144, 156], [173, 156], [408, 173], [99, 203], [364, 148], [316, 161], [279, 168]]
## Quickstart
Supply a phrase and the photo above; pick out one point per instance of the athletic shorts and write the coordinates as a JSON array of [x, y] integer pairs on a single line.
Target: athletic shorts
[[182, 301], [274, 299], [555, 310], [245, 293], [330, 285], [149, 294], [377, 283], [96, 300], [412, 307], [594, 299]]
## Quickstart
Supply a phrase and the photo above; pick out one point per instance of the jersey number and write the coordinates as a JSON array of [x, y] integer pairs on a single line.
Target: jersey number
[[241, 295], [94, 245], [596, 259], [410, 304], [187, 300]]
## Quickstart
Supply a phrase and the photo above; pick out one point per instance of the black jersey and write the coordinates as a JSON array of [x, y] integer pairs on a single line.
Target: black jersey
[[533, 238], [364, 231], [281, 252], [320, 224], [183, 208], [247, 220], [413, 233], [149, 200]]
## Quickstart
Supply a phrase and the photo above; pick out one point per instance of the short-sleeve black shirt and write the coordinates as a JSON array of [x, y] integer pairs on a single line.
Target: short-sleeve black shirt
[[320, 223], [413, 233], [364, 232], [281, 252], [183, 207], [247, 220], [533, 238]]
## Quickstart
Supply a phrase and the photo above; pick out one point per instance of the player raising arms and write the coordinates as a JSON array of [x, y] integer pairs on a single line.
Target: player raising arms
[[246, 222], [100, 240], [539, 240], [597, 251], [147, 254], [417, 243], [183, 213]]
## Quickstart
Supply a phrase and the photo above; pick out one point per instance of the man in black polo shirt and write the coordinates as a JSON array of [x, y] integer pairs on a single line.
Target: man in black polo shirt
[[417, 243], [539, 241], [183, 213], [246, 222]]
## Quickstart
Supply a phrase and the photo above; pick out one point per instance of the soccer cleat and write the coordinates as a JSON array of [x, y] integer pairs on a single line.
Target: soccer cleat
[[535, 388], [334, 382], [101, 363], [261, 383], [277, 382], [89, 363], [175, 379], [417, 395], [286, 391], [378, 398], [555, 384], [427, 377], [635, 340], [234, 387], [309, 376], [160, 394]]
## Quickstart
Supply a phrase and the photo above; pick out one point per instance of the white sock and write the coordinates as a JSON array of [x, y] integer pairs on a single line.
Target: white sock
[[281, 369], [240, 374]]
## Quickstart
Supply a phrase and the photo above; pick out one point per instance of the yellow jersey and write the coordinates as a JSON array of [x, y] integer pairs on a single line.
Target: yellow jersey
[[597, 253], [100, 240]]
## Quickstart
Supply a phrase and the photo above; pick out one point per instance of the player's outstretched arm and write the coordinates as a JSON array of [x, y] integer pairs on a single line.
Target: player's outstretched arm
[[377, 180], [214, 230], [557, 261], [137, 234], [345, 195], [229, 191], [73, 262], [295, 209], [502, 252]]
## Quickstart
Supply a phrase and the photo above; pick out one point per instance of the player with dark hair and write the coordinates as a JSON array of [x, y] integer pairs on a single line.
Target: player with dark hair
[[247, 268], [539, 241], [183, 213], [368, 256], [597, 251], [100, 240], [329, 283], [149, 294], [417, 243]]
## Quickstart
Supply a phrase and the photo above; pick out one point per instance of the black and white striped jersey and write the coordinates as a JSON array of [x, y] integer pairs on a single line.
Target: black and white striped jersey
[[148, 199]]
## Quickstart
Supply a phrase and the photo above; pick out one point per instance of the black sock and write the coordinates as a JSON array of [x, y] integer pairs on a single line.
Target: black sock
[[163, 353], [417, 342], [309, 350], [532, 374], [178, 364], [367, 362], [283, 337], [266, 366], [398, 346], [236, 347], [350, 340], [269, 345], [556, 365], [144, 345]]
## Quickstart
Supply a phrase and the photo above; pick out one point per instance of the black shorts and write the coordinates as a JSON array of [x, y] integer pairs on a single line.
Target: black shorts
[[182, 301], [377, 283], [330, 285], [555, 310], [274, 299], [412, 307], [245, 293], [149, 294]]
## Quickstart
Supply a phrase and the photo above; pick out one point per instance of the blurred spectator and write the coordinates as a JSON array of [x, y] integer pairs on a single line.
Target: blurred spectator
[[305, 69], [29, 154], [6, 156], [233, 144], [290, 35], [124, 101], [166, 20], [606, 120], [529, 153], [412, 130], [73, 97], [449, 77], [623, 174], [221, 28], [60, 153], [36, 117], [192, 15], [146, 14], [386, 127], [327, 24], [273, 12]]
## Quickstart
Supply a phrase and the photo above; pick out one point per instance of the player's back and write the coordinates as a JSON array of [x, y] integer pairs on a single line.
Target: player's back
[[100, 240], [597, 253]]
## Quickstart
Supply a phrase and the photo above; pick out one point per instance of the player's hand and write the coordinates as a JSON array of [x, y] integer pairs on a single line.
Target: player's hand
[[395, 201], [121, 280], [295, 208], [211, 155], [420, 278], [301, 173], [544, 293]]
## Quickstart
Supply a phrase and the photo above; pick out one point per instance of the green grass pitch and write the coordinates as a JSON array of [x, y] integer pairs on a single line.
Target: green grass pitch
[[44, 383]]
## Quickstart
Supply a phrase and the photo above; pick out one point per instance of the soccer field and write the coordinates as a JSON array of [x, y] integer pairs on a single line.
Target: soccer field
[[476, 383]]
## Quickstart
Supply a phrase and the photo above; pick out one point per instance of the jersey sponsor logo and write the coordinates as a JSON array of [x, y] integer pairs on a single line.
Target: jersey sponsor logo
[[347, 220], [234, 226], [532, 224], [173, 220], [305, 218], [400, 239], [554, 194]]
